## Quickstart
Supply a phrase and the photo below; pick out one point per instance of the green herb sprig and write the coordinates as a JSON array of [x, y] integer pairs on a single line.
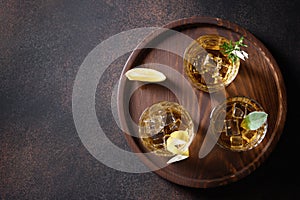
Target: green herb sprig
[[233, 50], [254, 120]]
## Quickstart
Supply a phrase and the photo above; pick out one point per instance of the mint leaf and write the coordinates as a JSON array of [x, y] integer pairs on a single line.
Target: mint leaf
[[254, 120]]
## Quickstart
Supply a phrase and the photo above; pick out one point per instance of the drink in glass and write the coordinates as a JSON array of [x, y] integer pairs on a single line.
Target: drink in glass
[[226, 122], [161, 119], [206, 66]]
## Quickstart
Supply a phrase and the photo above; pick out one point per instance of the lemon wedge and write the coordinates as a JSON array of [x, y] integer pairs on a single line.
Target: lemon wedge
[[145, 75], [177, 144]]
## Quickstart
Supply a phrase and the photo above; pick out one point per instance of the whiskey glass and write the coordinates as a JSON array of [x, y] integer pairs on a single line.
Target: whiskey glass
[[226, 122], [158, 121], [206, 66]]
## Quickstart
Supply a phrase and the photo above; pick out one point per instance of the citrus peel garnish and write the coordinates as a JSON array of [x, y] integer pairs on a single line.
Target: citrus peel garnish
[[145, 75]]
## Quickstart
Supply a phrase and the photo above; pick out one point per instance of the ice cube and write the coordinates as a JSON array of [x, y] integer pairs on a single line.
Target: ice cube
[[169, 118], [173, 126], [236, 141], [156, 124], [237, 112], [249, 135], [232, 127]]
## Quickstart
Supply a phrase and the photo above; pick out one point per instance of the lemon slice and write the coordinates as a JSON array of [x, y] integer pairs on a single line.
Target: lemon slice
[[177, 141], [145, 75], [177, 144]]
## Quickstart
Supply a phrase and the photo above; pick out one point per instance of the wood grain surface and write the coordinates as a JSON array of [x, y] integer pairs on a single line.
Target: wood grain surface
[[259, 78]]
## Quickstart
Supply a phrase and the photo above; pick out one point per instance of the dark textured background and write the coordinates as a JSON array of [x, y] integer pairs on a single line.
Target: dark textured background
[[42, 45]]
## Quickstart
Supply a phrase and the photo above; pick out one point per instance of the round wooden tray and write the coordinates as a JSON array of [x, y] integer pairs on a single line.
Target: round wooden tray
[[259, 78]]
